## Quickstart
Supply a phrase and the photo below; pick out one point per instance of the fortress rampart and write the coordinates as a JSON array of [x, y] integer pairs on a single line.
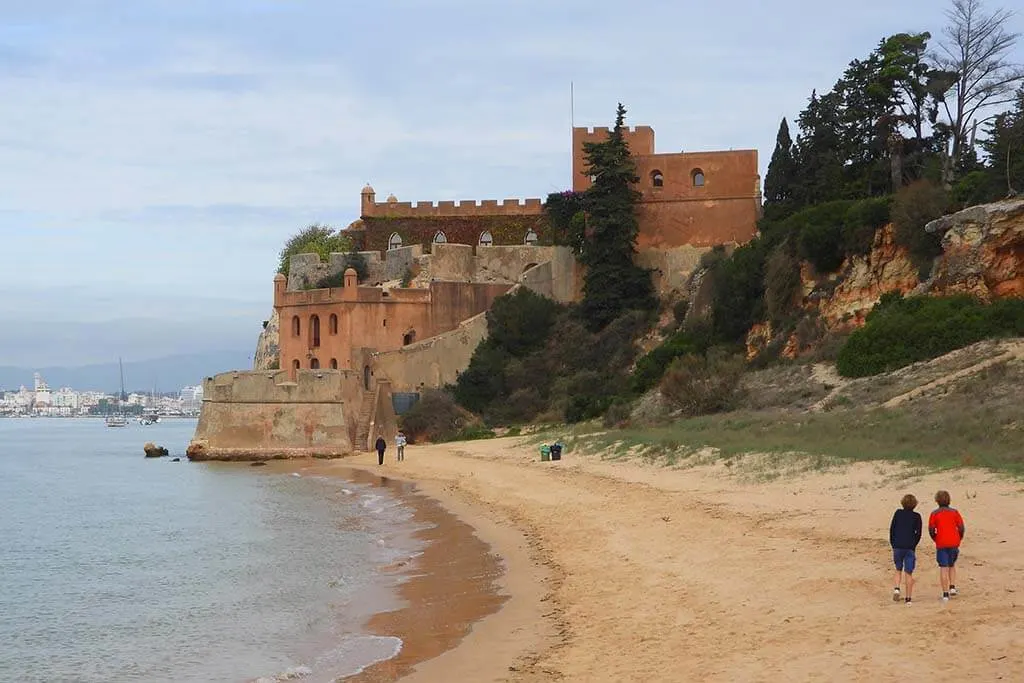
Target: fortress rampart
[[268, 415]]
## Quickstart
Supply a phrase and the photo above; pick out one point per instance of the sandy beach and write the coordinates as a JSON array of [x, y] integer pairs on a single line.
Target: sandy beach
[[628, 571]]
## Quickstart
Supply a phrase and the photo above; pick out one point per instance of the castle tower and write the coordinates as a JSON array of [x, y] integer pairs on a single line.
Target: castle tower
[[367, 200]]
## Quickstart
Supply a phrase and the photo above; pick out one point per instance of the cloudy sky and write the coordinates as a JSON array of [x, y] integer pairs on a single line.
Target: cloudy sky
[[155, 154]]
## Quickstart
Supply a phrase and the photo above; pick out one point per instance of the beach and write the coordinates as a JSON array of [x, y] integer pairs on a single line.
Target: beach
[[629, 570]]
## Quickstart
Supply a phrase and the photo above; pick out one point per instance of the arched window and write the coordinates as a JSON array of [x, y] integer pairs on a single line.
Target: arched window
[[485, 239], [334, 364], [332, 324], [314, 331], [531, 238], [314, 364], [698, 177], [296, 326], [296, 364], [439, 237], [657, 179], [395, 241], [409, 337]]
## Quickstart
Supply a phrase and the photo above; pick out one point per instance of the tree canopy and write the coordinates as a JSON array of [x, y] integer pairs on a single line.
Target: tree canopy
[[613, 283]]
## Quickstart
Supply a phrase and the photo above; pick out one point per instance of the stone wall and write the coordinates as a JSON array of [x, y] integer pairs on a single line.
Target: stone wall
[[671, 268], [264, 415], [305, 271], [432, 362], [559, 278], [452, 262]]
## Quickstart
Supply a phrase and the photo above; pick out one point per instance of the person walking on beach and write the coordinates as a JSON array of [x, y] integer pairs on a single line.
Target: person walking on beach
[[904, 535], [381, 445], [946, 527], [400, 446]]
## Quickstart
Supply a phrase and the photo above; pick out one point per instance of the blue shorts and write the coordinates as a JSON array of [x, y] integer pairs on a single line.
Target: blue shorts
[[905, 560], [947, 556]]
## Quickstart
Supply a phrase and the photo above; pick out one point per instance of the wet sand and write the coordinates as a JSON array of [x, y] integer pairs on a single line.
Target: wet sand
[[461, 587]]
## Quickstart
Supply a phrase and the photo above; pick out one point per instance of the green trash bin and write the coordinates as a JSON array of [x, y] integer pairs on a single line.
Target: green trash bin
[[545, 453]]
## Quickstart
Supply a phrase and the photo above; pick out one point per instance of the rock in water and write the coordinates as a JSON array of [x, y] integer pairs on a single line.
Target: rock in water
[[153, 451]]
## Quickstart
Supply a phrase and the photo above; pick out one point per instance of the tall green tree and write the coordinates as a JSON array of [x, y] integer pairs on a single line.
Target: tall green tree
[[613, 283], [781, 177], [819, 175]]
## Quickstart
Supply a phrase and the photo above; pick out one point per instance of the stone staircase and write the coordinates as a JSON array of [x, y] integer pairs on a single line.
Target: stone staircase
[[366, 415]]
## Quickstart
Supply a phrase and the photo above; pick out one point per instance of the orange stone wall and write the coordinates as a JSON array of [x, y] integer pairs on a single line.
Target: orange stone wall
[[681, 212], [370, 319]]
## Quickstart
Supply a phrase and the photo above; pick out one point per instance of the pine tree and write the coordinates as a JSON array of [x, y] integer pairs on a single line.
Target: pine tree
[[613, 283], [778, 183]]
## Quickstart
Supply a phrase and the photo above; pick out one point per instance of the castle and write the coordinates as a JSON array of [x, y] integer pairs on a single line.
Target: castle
[[434, 269]]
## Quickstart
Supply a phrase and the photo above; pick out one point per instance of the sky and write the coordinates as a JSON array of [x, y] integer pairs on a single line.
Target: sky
[[155, 154]]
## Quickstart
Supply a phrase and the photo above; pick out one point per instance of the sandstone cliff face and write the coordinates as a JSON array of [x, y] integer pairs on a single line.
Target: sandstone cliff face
[[982, 252], [864, 279], [268, 353], [982, 255]]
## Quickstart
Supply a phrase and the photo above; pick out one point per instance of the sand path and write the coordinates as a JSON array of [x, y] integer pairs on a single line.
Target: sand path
[[659, 574]]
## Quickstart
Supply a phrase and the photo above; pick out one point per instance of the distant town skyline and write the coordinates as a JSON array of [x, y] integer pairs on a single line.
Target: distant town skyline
[[157, 155]]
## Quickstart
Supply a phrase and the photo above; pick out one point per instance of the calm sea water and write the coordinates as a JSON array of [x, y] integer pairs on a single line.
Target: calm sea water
[[114, 567]]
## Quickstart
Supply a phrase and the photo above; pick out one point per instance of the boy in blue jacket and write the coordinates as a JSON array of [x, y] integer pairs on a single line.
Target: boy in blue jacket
[[904, 535]]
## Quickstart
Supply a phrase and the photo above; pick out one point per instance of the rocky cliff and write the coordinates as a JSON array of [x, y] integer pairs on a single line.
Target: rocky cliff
[[268, 353], [982, 252], [982, 255]]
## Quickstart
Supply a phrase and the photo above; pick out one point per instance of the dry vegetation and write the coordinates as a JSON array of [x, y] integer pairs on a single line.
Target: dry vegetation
[[973, 419]]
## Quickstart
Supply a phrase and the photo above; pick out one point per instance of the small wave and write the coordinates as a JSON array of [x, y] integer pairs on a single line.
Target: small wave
[[292, 674], [347, 492], [296, 474], [358, 653]]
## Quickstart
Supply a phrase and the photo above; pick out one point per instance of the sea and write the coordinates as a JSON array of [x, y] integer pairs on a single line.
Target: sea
[[115, 567]]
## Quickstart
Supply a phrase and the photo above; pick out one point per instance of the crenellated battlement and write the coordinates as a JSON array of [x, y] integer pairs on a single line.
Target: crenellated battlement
[[466, 207], [604, 130]]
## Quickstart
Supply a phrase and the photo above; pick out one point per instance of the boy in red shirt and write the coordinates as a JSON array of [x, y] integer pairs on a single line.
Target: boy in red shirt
[[946, 527]]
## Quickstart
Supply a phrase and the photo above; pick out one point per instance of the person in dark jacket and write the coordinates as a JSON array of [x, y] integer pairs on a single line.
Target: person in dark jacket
[[380, 446], [904, 535]]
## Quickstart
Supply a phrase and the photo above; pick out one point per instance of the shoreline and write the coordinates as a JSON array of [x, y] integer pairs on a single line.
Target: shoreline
[[478, 582]]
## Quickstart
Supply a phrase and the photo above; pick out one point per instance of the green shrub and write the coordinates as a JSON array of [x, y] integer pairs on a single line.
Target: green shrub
[[314, 239], [520, 322], [782, 283], [820, 234], [407, 277], [738, 292], [900, 331], [914, 206], [861, 222], [679, 311], [700, 385], [617, 414], [436, 417], [651, 366]]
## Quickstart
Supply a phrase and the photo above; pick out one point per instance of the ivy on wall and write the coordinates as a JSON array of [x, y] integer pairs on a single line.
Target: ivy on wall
[[505, 230]]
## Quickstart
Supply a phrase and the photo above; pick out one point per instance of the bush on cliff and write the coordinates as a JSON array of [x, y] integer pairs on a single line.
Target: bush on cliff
[[540, 359], [900, 331], [436, 417], [314, 239], [914, 206], [703, 384]]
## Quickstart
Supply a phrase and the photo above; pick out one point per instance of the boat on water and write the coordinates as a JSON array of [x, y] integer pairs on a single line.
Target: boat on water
[[149, 418], [119, 419]]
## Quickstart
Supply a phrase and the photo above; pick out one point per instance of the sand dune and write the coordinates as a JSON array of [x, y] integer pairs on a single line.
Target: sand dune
[[655, 574]]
